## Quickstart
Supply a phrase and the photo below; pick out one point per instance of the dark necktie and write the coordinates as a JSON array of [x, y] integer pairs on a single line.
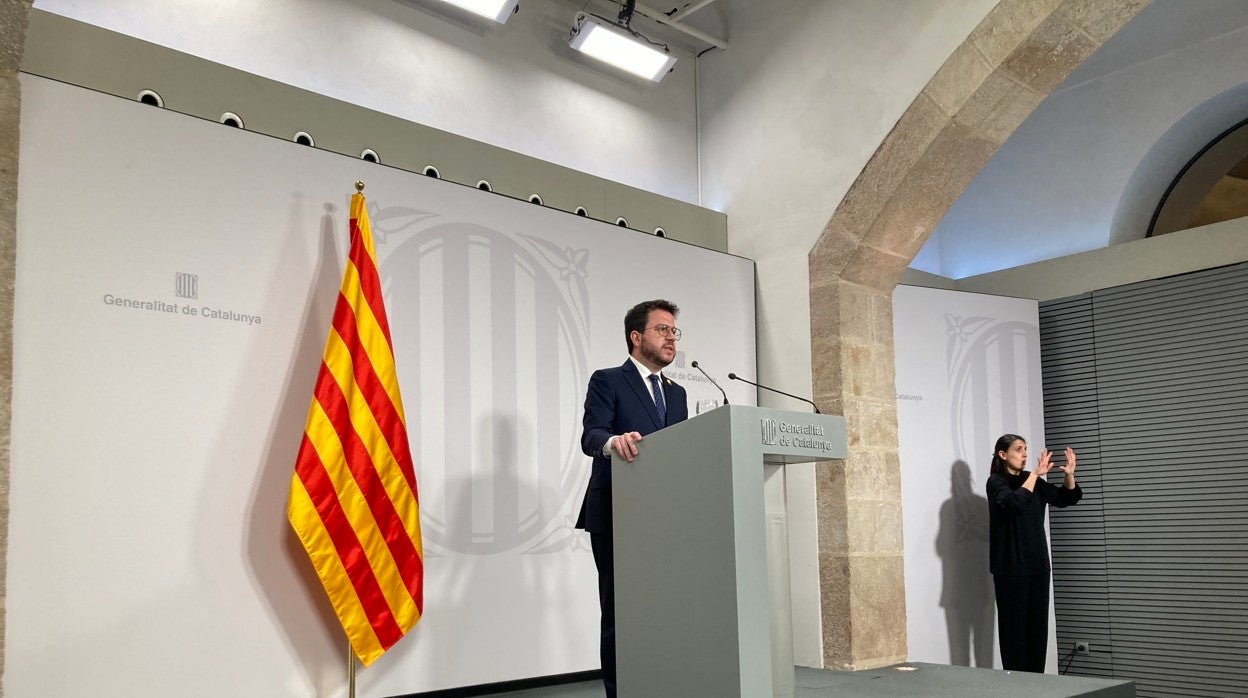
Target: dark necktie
[[658, 398]]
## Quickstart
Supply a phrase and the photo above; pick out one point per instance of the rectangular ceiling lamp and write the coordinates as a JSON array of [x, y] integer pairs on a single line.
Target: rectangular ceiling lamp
[[621, 49], [497, 10]]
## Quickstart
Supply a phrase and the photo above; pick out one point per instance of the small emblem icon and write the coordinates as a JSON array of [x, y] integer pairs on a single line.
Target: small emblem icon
[[186, 285], [771, 431]]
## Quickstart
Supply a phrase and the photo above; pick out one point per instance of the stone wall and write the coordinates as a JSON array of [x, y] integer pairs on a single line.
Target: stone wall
[[14, 15]]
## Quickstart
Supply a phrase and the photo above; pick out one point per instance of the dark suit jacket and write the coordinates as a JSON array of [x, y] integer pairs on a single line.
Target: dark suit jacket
[[619, 401]]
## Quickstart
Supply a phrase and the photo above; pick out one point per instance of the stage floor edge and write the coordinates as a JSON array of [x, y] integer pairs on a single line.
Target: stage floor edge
[[908, 680]]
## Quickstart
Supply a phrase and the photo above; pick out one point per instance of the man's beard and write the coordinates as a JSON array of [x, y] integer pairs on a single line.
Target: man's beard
[[654, 356]]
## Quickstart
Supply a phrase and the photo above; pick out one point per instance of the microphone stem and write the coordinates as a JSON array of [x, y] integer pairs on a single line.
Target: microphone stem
[[735, 377], [712, 380]]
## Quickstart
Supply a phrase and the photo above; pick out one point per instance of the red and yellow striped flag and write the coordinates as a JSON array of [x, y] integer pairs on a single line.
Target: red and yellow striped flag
[[353, 500]]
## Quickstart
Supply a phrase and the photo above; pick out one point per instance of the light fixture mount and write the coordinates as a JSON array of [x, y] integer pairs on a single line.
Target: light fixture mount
[[625, 18]]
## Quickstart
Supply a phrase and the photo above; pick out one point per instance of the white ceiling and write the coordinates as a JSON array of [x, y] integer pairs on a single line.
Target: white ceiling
[[1163, 28], [1093, 159]]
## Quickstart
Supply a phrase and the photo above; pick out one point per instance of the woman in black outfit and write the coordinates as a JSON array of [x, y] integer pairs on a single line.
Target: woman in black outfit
[[1019, 549]]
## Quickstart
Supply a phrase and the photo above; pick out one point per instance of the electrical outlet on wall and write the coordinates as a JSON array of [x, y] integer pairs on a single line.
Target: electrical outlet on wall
[[1083, 647]]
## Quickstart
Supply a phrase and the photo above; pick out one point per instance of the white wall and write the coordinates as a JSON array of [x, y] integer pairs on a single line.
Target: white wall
[[1089, 165], [516, 85], [152, 450], [784, 121], [788, 116], [952, 404]]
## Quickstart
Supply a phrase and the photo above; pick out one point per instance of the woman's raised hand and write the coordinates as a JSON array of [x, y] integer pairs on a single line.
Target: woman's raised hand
[[1069, 468], [1044, 464]]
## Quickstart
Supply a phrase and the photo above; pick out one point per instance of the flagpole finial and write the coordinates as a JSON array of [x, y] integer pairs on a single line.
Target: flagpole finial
[[359, 186]]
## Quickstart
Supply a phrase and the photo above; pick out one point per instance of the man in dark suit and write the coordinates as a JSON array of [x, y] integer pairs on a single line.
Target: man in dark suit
[[624, 404]]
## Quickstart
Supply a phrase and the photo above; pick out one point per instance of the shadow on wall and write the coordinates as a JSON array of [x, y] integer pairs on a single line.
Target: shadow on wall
[[281, 571], [966, 595]]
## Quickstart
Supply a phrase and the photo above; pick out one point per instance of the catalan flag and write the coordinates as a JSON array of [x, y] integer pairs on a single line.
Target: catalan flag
[[353, 499]]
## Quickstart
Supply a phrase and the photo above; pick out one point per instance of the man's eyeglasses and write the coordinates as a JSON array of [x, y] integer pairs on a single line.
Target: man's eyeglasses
[[667, 331]]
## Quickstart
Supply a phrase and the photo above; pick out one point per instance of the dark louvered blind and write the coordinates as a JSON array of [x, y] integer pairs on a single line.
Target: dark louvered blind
[[1149, 383], [1081, 599]]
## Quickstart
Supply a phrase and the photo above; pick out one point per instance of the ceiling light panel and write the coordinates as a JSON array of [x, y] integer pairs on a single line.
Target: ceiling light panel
[[621, 49], [497, 10]]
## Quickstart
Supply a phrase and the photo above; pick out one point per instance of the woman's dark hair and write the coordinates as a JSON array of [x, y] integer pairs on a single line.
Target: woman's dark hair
[[1003, 444], [635, 319]]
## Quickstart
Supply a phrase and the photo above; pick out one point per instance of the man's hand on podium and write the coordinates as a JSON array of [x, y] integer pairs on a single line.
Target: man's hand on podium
[[625, 445]]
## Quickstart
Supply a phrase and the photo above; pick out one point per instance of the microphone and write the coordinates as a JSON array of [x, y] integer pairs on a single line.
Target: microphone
[[735, 377], [712, 380]]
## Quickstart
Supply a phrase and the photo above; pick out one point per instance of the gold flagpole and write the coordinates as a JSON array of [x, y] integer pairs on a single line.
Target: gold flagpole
[[350, 671], [359, 188]]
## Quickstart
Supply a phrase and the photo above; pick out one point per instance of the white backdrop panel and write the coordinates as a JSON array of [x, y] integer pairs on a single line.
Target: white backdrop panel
[[968, 370], [152, 447]]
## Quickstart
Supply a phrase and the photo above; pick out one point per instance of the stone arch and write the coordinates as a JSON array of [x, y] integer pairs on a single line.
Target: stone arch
[[1012, 60]]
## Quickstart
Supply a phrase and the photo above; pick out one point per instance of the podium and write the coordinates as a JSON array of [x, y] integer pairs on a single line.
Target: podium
[[701, 553]]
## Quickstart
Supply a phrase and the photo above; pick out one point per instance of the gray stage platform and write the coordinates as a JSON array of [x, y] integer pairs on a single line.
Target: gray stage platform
[[942, 680], [924, 681]]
